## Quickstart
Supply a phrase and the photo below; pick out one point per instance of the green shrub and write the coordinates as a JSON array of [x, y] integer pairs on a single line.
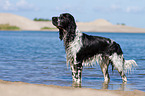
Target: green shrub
[[47, 28], [41, 19], [123, 24], [8, 27]]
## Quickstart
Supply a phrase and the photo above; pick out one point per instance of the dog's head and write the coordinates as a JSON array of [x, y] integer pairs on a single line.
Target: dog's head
[[65, 23]]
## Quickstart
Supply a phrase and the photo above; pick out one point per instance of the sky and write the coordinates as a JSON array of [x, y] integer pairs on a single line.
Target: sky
[[128, 12]]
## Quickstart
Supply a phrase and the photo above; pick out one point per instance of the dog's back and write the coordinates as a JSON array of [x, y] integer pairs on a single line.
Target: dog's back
[[96, 45]]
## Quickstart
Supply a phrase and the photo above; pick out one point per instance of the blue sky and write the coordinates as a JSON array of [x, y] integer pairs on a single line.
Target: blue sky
[[130, 12]]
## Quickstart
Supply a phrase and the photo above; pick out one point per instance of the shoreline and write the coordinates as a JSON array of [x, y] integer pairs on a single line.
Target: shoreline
[[81, 31], [8, 88]]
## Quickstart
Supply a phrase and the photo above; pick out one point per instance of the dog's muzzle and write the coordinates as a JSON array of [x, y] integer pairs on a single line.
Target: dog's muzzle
[[56, 22]]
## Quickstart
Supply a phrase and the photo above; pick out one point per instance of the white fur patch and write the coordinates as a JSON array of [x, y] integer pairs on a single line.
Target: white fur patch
[[129, 64], [74, 48], [110, 42], [117, 61], [120, 64], [93, 60], [58, 22]]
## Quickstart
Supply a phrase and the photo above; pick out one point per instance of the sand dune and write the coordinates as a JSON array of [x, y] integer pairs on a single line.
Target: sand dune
[[25, 89], [98, 22], [19, 21], [22, 22], [99, 25], [102, 25]]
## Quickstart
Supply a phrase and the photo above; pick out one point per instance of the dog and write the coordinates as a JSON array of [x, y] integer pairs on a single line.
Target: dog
[[82, 49]]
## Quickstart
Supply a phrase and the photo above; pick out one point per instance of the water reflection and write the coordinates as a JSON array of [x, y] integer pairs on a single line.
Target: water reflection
[[105, 85], [121, 86], [76, 85]]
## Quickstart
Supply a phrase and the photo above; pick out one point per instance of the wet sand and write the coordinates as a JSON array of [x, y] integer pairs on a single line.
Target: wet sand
[[8, 88]]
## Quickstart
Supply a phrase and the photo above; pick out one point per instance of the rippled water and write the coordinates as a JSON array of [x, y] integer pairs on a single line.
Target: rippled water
[[39, 58]]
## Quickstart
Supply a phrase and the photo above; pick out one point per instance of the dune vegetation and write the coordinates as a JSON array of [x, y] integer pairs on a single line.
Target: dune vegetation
[[8, 27], [47, 28], [41, 19]]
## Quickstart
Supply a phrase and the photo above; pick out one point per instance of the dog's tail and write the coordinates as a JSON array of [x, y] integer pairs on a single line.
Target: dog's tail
[[129, 65]]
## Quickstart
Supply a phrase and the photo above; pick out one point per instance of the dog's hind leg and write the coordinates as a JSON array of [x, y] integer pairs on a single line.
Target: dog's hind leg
[[118, 63], [104, 63], [122, 74], [77, 73]]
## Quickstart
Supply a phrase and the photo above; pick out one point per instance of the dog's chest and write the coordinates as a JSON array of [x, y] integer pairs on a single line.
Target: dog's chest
[[74, 46]]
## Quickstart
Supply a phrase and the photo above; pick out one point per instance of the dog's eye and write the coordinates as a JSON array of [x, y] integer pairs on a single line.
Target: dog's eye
[[62, 17]]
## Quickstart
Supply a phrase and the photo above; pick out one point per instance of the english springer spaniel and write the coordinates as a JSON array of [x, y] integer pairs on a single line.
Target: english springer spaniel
[[82, 49]]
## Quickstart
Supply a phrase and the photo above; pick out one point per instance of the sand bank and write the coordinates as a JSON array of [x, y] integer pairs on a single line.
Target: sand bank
[[8, 88], [22, 22], [99, 25]]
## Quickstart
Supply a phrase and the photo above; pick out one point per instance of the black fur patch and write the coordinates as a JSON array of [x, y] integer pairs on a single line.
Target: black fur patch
[[94, 45]]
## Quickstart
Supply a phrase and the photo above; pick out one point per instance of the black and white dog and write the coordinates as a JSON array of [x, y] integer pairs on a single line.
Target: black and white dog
[[82, 49]]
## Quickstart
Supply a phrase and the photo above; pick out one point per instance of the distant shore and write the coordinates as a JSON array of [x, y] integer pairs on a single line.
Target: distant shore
[[99, 25], [81, 31], [8, 88], [85, 28]]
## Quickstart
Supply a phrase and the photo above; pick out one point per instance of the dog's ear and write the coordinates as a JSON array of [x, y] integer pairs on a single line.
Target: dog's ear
[[72, 28], [60, 34]]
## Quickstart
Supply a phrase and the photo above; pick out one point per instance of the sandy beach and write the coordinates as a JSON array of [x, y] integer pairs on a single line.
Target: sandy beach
[[8, 88], [99, 25]]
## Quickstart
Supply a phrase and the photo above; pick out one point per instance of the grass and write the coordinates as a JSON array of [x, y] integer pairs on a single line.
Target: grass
[[47, 28], [41, 19], [8, 27]]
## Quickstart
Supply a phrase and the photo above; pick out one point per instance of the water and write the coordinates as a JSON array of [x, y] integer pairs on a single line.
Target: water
[[39, 58]]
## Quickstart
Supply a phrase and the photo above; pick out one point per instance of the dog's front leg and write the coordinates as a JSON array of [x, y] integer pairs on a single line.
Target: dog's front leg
[[77, 73]]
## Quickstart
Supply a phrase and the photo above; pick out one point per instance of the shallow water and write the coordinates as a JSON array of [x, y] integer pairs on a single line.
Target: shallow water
[[39, 58]]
